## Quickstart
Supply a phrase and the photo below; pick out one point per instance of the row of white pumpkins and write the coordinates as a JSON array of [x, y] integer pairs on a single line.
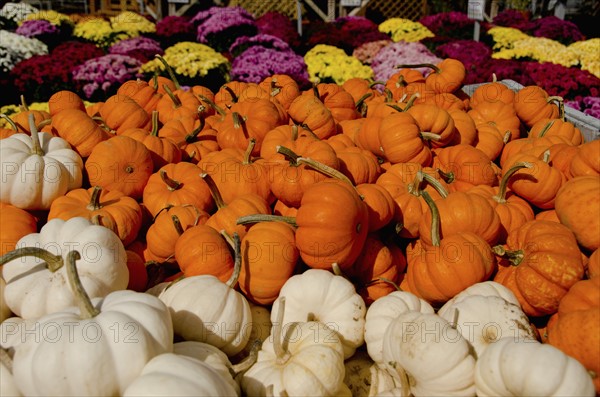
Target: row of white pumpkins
[[318, 340]]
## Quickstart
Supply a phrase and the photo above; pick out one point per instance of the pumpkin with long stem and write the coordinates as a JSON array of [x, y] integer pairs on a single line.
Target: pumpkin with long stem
[[193, 136], [532, 103], [21, 119], [434, 119], [558, 127], [447, 75], [309, 111], [112, 209], [176, 184], [464, 166], [339, 102], [533, 255], [463, 258], [498, 114], [512, 210]]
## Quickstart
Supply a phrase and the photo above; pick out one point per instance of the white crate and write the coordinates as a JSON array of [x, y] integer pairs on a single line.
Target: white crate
[[589, 126]]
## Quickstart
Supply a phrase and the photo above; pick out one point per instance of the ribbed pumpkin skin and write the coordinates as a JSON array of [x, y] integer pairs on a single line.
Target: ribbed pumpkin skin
[[333, 224], [15, 223]]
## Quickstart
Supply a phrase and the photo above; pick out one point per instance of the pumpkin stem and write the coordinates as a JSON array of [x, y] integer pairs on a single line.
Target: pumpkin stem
[[53, 262], [248, 152], [249, 361], [6, 360], [420, 65], [234, 97], [411, 101], [385, 280], [310, 132], [430, 136], [23, 106], [36, 148], [288, 154], [514, 257], [448, 177], [377, 82], [454, 322], [280, 352], [434, 183], [395, 107], [86, 308], [155, 81], [335, 267], [435, 219], [546, 156], [191, 137], [255, 218], [172, 184], [544, 130], [154, 131], [238, 120], [9, 121], [275, 89], [177, 224], [360, 104], [94, 203], [176, 101], [323, 169], [214, 190], [237, 267], [501, 196], [494, 78], [315, 90], [294, 132], [169, 71], [506, 138], [213, 105]]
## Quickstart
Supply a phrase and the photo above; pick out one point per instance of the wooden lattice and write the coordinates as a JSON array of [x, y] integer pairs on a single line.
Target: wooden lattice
[[409, 9], [259, 8]]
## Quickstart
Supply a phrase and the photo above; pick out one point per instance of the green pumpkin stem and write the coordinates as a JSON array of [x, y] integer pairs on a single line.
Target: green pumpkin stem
[[36, 147], [192, 136], [176, 101], [9, 121], [448, 177], [86, 308], [435, 219], [442, 191], [237, 249], [547, 127], [255, 218], [53, 262], [420, 65], [213, 105], [248, 153], [23, 107], [430, 136], [249, 361], [94, 203], [169, 70], [154, 131], [503, 186], [214, 190], [238, 120], [515, 257], [288, 154], [172, 184], [324, 169], [361, 106]]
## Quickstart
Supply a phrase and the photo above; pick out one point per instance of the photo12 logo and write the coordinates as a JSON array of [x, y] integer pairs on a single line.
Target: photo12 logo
[[76, 331]]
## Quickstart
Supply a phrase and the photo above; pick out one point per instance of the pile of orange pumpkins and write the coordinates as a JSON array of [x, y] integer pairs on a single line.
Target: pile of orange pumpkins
[[373, 238]]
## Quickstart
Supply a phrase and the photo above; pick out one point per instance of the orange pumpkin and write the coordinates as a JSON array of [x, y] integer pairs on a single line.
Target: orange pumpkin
[[138, 277], [447, 76], [379, 267], [401, 79], [380, 205], [6, 132], [548, 215], [491, 140], [466, 132], [203, 250], [532, 103], [578, 207], [402, 140], [339, 102], [586, 161], [177, 184], [79, 129], [434, 119], [112, 209], [500, 115], [120, 163], [62, 100], [493, 92], [464, 166], [310, 112], [441, 267], [558, 127], [281, 87], [539, 264], [21, 119], [121, 112], [269, 258], [593, 269], [359, 165], [333, 223], [14, 224], [170, 223], [193, 136], [146, 95]]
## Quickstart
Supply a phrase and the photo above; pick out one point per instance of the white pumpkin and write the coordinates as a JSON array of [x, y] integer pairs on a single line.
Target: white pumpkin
[[4, 309], [319, 295], [260, 329], [176, 375], [522, 367], [33, 290], [485, 288], [96, 349], [434, 355], [366, 378], [381, 313], [204, 309], [208, 354], [482, 320], [301, 359], [8, 388], [37, 169]]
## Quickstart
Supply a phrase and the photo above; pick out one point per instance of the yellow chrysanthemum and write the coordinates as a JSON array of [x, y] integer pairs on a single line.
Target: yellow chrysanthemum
[[100, 32], [132, 22], [587, 51], [328, 62], [55, 18], [505, 37], [540, 49], [188, 59], [401, 29]]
